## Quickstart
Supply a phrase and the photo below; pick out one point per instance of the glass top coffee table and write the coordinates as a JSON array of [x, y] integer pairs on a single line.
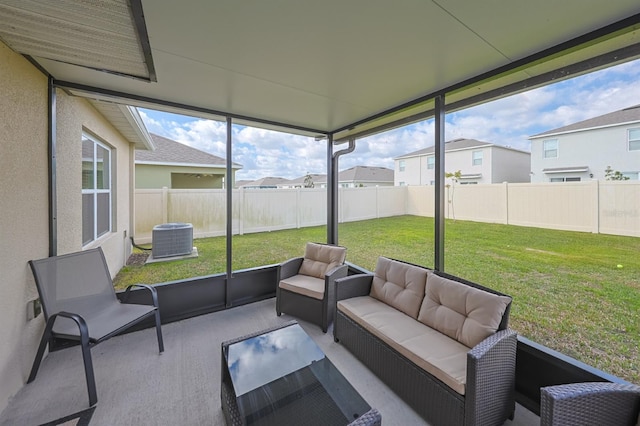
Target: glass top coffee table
[[281, 377]]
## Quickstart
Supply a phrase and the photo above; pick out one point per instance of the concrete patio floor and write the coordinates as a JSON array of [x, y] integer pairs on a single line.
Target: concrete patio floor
[[137, 386]]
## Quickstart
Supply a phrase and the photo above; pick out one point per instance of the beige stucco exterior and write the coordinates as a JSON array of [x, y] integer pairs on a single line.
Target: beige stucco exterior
[[24, 215], [23, 212], [157, 176]]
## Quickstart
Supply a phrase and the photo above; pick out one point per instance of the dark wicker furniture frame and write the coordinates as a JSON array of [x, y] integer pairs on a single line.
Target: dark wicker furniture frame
[[320, 312], [590, 404], [489, 398]]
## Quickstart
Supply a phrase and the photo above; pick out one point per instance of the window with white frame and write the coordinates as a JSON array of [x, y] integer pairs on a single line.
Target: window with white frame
[[431, 163], [565, 179], [550, 147], [634, 139], [96, 189], [401, 166], [477, 158]]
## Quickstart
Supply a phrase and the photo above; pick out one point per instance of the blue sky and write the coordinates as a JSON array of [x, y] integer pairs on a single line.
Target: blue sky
[[508, 121]]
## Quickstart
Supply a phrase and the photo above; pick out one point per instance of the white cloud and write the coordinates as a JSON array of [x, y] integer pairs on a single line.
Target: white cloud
[[508, 121]]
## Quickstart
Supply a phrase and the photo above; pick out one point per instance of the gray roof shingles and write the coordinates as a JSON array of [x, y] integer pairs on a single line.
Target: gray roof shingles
[[626, 115], [451, 145], [171, 152], [366, 174]]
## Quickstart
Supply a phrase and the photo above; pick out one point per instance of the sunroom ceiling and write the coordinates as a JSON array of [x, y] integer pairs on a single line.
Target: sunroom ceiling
[[324, 66]]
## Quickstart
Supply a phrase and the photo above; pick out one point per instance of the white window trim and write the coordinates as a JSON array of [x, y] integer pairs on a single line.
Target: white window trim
[[477, 156], [431, 162], [544, 149], [636, 140], [95, 191]]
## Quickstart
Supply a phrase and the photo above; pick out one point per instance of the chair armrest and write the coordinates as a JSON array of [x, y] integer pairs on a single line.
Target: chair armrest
[[289, 268], [152, 290], [370, 418], [336, 273], [600, 403], [491, 378], [353, 286], [329, 281]]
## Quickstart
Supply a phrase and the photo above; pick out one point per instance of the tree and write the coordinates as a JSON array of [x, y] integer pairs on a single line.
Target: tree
[[308, 181], [610, 174], [455, 178]]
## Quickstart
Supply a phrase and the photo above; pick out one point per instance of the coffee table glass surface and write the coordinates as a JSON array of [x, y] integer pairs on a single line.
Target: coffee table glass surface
[[282, 377]]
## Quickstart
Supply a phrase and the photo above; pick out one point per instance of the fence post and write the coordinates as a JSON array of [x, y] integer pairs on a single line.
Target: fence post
[[377, 204], [506, 202], [596, 207], [165, 204], [242, 201], [298, 205]]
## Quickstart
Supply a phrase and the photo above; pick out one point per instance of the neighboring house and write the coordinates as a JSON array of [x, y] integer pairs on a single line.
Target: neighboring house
[[300, 182], [583, 150], [266, 183], [478, 162], [238, 183], [360, 176], [178, 166], [89, 203]]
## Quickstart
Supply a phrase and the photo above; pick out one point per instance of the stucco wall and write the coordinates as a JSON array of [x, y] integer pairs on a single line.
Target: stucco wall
[[23, 212], [510, 166], [151, 176], [76, 115], [24, 216]]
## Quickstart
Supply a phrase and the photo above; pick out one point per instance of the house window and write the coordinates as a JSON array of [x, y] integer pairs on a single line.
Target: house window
[[431, 163], [634, 139], [631, 175], [477, 158], [551, 148], [402, 183], [401, 165], [96, 189], [566, 179]]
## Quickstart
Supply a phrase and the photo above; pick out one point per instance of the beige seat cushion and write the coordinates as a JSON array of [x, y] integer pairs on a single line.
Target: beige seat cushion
[[305, 285], [321, 258], [464, 313], [399, 285], [439, 355]]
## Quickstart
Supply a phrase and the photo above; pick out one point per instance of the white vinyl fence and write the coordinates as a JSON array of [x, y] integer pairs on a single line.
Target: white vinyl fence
[[595, 206]]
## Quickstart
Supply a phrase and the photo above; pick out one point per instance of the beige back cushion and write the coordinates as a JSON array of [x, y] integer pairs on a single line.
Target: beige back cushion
[[321, 258], [399, 285], [464, 313]]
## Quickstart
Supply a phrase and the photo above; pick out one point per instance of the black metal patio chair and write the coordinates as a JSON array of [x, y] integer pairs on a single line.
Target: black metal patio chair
[[80, 303]]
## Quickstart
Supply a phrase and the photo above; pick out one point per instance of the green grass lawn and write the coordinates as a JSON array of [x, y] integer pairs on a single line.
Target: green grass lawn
[[568, 292]]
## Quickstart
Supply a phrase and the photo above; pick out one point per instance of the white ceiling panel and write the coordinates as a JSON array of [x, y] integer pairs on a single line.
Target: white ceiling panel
[[325, 66]]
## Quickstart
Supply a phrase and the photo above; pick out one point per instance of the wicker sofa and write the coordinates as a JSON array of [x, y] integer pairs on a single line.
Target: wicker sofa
[[440, 342]]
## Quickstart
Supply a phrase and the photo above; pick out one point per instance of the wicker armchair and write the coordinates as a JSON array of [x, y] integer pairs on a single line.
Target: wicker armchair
[[590, 404], [306, 284]]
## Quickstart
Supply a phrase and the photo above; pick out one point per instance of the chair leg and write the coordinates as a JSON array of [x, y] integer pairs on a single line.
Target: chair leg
[[159, 332], [44, 341], [86, 355], [88, 368]]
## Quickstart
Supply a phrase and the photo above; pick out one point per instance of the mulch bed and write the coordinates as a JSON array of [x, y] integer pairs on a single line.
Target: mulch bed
[[137, 259]]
